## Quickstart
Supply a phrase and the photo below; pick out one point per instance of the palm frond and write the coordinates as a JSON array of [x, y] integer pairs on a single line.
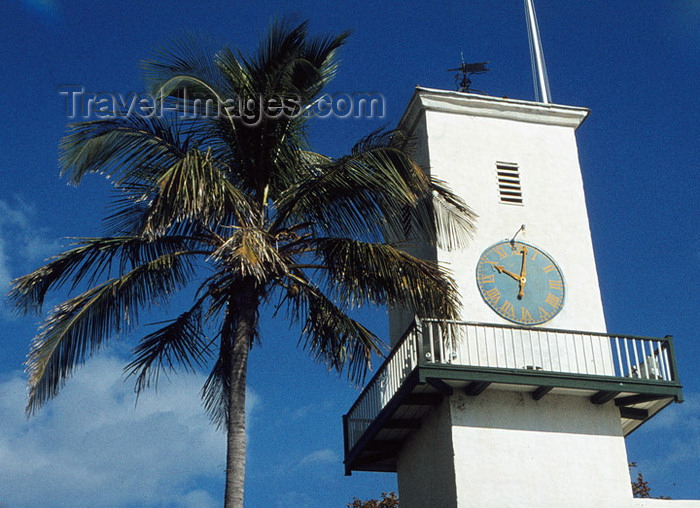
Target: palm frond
[[251, 252], [216, 389], [360, 273], [180, 343], [190, 56], [80, 326], [329, 333], [440, 218], [131, 147], [196, 188], [363, 195], [322, 53], [92, 258], [378, 192]]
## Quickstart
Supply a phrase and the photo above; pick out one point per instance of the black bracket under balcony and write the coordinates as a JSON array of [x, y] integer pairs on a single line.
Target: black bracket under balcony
[[403, 424], [634, 413], [476, 388], [630, 400], [541, 392], [602, 397], [440, 386], [423, 399]]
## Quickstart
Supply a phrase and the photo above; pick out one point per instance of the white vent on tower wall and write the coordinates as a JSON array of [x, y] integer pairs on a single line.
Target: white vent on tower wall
[[509, 183]]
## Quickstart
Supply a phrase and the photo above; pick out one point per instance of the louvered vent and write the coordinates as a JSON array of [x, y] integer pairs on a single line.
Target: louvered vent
[[509, 183]]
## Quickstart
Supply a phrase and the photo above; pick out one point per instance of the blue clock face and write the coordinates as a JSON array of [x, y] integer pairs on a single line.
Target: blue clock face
[[520, 283]]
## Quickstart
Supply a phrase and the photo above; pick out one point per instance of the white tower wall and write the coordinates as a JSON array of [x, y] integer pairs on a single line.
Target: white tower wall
[[527, 416], [460, 138], [503, 449]]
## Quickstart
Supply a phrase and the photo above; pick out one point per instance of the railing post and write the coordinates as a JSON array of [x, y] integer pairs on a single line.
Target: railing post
[[419, 339], [672, 358]]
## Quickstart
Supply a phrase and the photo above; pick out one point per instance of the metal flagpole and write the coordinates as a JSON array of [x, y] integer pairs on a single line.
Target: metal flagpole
[[539, 70]]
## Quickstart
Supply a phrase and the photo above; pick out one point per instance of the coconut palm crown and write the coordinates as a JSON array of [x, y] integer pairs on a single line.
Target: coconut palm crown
[[233, 203]]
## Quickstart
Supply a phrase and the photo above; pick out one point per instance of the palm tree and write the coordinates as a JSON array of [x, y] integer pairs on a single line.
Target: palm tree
[[236, 207]]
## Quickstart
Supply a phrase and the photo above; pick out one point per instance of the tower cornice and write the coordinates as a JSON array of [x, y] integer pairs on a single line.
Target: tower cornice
[[475, 105]]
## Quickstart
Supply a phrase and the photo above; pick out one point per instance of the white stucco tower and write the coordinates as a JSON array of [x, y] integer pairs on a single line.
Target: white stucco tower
[[526, 402]]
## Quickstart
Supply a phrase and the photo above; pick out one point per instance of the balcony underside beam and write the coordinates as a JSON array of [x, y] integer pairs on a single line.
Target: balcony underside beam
[[423, 399], [369, 462], [637, 399], [633, 413], [476, 387], [541, 392], [440, 386], [403, 424], [476, 377], [603, 396], [384, 447]]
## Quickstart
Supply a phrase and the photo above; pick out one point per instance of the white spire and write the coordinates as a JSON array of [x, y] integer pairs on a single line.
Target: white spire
[[539, 70]]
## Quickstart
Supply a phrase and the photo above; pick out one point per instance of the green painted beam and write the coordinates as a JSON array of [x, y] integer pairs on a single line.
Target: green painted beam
[[539, 378]]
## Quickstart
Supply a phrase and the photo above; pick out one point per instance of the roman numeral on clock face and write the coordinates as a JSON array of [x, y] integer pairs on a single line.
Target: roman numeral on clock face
[[488, 279], [553, 300], [556, 285], [501, 251], [525, 315], [493, 295], [507, 310]]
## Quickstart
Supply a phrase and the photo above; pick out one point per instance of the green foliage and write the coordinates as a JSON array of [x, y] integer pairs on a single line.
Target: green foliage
[[640, 487], [388, 501]]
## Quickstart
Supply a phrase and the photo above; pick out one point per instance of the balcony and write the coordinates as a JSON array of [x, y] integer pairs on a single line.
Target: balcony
[[435, 358]]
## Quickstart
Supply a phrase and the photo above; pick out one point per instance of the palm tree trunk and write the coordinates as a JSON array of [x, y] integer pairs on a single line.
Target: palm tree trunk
[[245, 309]]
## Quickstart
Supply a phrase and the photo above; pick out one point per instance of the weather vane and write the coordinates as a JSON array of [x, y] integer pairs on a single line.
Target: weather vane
[[465, 71]]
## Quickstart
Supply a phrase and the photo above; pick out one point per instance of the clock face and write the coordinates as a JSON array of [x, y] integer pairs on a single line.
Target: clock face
[[520, 283]]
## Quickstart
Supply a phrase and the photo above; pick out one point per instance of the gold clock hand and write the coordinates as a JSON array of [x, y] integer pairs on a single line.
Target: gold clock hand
[[522, 280], [502, 269]]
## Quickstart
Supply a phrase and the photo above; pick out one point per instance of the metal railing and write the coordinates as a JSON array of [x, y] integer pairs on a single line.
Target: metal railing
[[383, 386], [438, 342]]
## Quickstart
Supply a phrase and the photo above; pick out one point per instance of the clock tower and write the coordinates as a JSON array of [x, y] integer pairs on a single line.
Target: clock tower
[[527, 400]]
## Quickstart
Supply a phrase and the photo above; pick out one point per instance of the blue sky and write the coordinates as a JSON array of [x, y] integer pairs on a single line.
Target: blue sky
[[634, 64]]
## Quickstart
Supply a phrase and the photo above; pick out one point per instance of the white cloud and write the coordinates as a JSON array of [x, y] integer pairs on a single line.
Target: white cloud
[[324, 456], [666, 449], [200, 499], [29, 244], [252, 406], [17, 233], [5, 276], [15, 214], [91, 446], [682, 423]]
